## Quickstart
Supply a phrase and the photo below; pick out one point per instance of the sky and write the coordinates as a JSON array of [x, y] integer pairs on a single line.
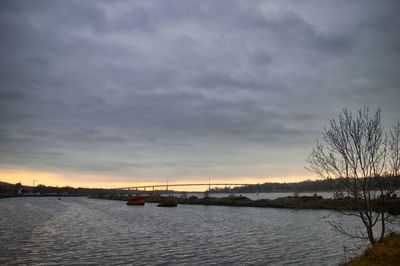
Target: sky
[[113, 93]]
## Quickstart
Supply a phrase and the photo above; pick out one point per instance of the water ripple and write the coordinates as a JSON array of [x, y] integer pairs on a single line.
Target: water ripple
[[75, 231]]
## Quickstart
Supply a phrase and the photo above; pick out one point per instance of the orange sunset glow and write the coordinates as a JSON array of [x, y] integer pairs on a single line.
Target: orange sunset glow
[[80, 180]]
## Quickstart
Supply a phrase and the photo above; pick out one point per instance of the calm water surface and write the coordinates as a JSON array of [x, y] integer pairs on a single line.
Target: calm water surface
[[89, 231]]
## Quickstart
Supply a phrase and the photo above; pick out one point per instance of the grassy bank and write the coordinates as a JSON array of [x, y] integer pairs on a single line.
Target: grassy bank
[[385, 253]]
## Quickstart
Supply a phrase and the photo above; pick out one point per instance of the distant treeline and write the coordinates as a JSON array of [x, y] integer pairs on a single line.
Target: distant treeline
[[42, 189], [11, 190], [304, 186]]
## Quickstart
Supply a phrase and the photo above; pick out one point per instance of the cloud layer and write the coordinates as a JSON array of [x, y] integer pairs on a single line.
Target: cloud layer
[[148, 90]]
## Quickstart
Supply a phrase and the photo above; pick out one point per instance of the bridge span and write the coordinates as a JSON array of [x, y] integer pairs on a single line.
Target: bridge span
[[167, 186]]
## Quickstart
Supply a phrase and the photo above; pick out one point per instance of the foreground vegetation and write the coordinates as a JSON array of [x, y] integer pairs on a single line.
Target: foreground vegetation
[[386, 252], [358, 152]]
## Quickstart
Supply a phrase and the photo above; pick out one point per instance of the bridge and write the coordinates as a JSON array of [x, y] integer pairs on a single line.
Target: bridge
[[167, 186]]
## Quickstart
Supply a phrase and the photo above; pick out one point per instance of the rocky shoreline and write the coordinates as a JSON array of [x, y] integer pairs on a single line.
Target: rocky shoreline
[[291, 202]]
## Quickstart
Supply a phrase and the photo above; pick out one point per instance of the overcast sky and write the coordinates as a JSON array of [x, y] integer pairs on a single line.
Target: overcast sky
[[144, 91]]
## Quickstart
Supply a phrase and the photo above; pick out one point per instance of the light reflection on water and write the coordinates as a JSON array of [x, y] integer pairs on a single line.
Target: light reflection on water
[[89, 231]]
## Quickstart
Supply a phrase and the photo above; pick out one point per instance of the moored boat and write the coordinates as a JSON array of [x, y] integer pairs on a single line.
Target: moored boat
[[136, 200]]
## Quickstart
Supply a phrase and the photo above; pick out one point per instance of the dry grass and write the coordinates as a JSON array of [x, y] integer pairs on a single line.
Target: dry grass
[[385, 253]]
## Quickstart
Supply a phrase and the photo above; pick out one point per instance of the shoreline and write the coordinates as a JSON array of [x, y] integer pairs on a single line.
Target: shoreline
[[40, 196], [290, 202], [386, 252]]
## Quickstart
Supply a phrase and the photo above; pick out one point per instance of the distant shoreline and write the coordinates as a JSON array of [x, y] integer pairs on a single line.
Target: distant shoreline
[[290, 202], [40, 196]]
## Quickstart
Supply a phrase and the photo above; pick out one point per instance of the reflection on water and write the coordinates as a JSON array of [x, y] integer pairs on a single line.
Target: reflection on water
[[90, 231]]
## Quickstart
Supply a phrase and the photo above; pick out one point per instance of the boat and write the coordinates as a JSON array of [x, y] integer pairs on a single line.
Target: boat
[[168, 202], [136, 200]]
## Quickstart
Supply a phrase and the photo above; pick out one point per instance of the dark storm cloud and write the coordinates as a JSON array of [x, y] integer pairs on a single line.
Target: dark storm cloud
[[159, 88]]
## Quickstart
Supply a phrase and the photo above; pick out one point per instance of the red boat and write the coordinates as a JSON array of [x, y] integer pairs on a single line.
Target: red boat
[[136, 200]]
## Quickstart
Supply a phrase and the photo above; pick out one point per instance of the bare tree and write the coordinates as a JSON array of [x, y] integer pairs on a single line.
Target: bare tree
[[355, 151], [394, 152]]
